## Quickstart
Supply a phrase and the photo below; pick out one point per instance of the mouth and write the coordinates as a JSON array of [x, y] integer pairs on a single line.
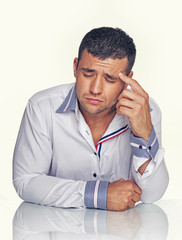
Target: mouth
[[94, 101]]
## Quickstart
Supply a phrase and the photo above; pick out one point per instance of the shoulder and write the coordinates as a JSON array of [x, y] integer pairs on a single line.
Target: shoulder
[[155, 111], [51, 93], [51, 97]]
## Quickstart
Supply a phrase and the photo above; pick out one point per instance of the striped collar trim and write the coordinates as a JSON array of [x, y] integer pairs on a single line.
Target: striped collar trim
[[112, 135], [69, 102]]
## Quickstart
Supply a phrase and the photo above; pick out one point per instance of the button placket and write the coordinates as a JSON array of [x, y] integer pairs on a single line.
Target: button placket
[[95, 165]]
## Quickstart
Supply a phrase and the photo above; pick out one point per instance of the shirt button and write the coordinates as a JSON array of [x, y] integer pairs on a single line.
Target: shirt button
[[95, 153], [150, 147], [140, 146], [95, 175]]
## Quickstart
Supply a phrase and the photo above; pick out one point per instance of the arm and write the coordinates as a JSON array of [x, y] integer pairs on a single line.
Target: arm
[[154, 179], [148, 167], [31, 164], [32, 160]]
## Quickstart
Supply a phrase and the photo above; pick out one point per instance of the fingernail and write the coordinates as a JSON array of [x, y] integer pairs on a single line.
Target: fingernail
[[121, 74]]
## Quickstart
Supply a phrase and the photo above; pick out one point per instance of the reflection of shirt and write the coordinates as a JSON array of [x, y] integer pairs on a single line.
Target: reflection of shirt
[[56, 162], [35, 222]]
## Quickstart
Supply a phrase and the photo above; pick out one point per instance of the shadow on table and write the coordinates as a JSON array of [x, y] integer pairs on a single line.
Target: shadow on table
[[35, 222]]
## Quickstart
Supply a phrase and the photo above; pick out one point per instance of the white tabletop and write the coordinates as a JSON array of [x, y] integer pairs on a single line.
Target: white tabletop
[[162, 220]]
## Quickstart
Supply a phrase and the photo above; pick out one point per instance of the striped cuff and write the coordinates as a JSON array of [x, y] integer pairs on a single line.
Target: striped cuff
[[142, 148], [95, 222], [96, 194]]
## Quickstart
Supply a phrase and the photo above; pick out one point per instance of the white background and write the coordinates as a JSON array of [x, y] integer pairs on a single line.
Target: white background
[[40, 38]]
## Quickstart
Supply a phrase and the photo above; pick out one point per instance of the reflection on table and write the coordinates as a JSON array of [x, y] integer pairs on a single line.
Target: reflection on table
[[35, 222]]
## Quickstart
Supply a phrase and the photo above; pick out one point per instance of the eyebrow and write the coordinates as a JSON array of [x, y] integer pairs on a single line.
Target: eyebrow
[[88, 70], [112, 77]]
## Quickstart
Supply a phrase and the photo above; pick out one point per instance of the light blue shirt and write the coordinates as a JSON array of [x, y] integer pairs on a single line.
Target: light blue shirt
[[56, 162]]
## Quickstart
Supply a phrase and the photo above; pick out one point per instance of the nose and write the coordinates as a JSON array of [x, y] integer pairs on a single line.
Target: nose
[[96, 85]]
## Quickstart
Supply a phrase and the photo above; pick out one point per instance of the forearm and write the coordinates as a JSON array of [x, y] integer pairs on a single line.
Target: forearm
[[148, 169], [154, 179], [143, 167], [52, 191]]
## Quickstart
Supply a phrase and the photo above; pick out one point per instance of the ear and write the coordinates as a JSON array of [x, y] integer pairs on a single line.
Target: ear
[[75, 65], [130, 75]]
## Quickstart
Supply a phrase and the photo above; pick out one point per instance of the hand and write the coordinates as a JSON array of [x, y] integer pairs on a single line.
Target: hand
[[135, 105], [122, 195]]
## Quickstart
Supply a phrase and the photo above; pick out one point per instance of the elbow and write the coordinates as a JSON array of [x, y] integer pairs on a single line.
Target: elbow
[[28, 190], [19, 189], [153, 194], [156, 186]]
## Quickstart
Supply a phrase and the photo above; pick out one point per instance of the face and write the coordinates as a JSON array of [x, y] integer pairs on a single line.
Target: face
[[97, 82]]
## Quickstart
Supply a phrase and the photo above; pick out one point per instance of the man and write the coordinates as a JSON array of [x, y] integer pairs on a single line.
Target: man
[[95, 143]]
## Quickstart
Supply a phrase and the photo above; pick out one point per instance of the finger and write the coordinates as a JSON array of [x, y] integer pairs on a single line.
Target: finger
[[136, 87], [137, 189], [131, 108], [122, 180], [130, 95], [123, 110], [131, 204], [136, 197], [125, 102], [131, 82]]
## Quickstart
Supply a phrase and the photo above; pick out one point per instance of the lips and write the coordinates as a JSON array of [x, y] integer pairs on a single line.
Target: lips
[[94, 101]]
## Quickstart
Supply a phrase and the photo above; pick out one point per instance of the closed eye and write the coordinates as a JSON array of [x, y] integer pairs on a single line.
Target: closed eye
[[110, 80], [87, 75], [87, 72]]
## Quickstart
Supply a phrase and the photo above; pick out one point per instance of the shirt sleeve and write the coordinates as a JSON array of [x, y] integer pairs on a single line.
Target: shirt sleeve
[[31, 164], [32, 161], [96, 194], [154, 180]]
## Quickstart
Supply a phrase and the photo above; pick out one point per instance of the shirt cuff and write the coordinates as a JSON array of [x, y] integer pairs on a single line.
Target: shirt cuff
[[96, 194], [143, 148]]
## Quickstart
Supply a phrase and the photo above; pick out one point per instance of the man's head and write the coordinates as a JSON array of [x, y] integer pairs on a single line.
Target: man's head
[[103, 54], [107, 42]]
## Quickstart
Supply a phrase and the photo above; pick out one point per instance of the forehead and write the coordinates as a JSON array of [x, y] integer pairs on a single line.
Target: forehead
[[109, 64]]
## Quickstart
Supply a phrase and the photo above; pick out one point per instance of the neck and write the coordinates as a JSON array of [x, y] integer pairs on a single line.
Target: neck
[[99, 118], [98, 123]]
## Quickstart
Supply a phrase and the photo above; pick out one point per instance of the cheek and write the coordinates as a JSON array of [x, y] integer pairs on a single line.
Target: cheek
[[113, 93], [81, 87], [78, 90], [82, 82]]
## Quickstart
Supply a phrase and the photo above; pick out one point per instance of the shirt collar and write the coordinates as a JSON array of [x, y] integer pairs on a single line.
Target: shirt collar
[[69, 102]]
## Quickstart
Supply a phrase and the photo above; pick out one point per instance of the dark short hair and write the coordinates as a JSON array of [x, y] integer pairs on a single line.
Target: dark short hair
[[107, 42]]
